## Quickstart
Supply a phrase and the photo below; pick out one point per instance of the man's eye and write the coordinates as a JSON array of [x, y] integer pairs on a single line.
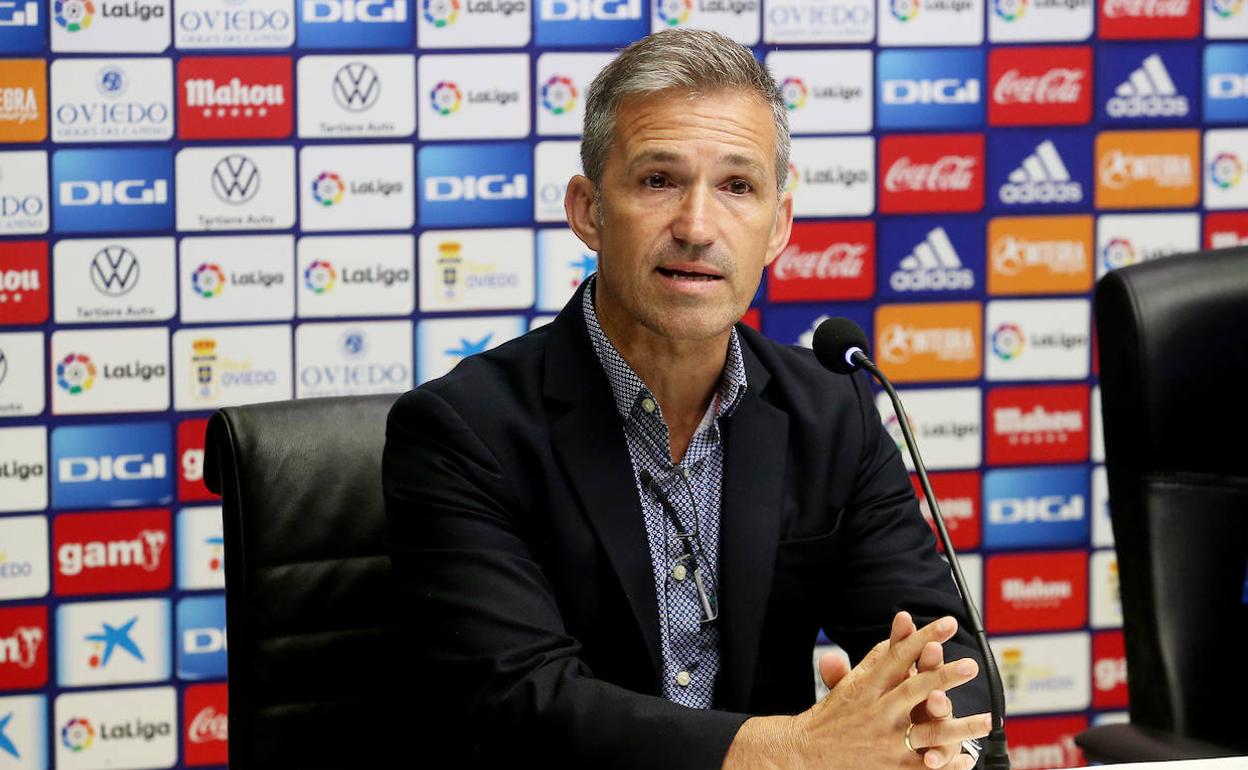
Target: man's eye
[[739, 187], [656, 181]]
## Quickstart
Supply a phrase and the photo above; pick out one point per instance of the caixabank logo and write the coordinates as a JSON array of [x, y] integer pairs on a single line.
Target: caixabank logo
[[475, 184], [201, 549], [589, 22], [1040, 170], [931, 173], [441, 343], [1050, 86], [1147, 84], [25, 730], [1040, 424], [108, 190], [1037, 507], [112, 553], [931, 258], [23, 25], [112, 465], [930, 89], [115, 642], [112, 100], [1226, 83], [824, 261], [235, 97], [354, 23]]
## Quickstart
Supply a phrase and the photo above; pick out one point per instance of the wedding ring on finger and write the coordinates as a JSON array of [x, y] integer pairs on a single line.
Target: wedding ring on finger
[[909, 745]]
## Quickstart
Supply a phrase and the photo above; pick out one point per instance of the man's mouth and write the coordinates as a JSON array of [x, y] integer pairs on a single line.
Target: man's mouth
[[688, 275]]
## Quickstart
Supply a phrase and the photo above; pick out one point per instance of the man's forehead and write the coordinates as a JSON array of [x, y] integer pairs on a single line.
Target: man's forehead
[[675, 125]]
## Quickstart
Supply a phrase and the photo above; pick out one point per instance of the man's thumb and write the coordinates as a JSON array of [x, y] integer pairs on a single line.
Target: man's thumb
[[832, 668]]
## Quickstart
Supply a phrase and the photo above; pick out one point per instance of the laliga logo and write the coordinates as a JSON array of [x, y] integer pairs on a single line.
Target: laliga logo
[[77, 734], [327, 189], [1007, 342], [1010, 10], [75, 373], [1225, 170], [74, 15], [794, 93], [904, 10], [320, 276], [673, 12], [440, 13], [348, 11], [1119, 252], [446, 98], [1226, 8], [559, 94], [208, 281]]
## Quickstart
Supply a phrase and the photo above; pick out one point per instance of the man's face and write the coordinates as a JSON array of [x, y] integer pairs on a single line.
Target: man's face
[[691, 215]]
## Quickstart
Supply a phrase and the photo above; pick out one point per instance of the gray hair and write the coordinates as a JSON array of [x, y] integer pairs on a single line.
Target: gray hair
[[683, 59]]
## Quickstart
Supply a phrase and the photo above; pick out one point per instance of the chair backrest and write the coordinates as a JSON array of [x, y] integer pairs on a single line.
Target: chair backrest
[[1173, 337], [312, 615]]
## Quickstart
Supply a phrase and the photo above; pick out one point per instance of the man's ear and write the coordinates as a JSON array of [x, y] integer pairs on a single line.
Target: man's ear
[[782, 228], [582, 211]]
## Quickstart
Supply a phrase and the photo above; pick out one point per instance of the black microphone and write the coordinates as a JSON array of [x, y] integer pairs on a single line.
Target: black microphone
[[841, 346]]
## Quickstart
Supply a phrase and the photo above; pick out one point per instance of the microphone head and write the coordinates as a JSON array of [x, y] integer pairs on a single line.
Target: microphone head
[[834, 339]]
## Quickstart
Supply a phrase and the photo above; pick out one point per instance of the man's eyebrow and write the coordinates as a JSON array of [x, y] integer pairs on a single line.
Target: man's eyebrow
[[655, 156], [737, 159]]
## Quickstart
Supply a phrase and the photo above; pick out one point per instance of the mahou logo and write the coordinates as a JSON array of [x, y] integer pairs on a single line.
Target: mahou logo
[[100, 553], [958, 494], [1038, 424], [1050, 86], [931, 173], [1036, 592], [1151, 19], [1224, 230], [23, 648], [24, 283], [235, 97], [206, 724], [825, 261]]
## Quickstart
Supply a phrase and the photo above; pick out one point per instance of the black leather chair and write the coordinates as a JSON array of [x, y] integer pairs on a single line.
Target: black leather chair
[[1173, 337], [314, 642]]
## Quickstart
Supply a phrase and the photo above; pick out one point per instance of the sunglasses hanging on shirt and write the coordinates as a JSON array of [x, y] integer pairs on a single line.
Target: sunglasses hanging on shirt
[[710, 607]]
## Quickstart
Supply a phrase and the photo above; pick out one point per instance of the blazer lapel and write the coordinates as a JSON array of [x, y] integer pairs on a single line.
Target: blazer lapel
[[756, 439], [589, 443]]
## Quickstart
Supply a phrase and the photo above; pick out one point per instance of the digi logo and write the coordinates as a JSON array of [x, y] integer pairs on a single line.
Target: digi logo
[[477, 185], [1226, 83], [354, 24], [111, 465], [201, 638], [22, 26], [930, 89], [1037, 508], [98, 190], [588, 22]]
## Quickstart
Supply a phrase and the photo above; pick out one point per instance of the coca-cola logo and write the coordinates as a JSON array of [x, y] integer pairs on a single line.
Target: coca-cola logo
[[1147, 9], [948, 173], [207, 726], [838, 260], [1059, 85]]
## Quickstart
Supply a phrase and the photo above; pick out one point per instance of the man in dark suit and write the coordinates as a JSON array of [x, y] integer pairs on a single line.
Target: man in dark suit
[[620, 534]]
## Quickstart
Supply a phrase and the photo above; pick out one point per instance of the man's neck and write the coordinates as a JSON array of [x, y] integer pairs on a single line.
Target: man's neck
[[683, 375]]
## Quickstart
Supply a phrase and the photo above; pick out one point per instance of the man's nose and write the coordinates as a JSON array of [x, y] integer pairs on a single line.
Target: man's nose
[[694, 222]]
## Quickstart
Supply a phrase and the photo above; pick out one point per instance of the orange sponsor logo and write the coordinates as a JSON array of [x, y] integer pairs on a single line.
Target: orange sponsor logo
[[23, 100], [1040, 255], [932, 341], [1147, 169]]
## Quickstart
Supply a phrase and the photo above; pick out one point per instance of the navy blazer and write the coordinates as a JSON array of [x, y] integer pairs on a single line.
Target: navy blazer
[[518, 541]]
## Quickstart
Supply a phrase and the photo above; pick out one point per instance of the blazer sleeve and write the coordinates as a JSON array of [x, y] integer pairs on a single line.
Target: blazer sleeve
[[888, 562], [498, 678]]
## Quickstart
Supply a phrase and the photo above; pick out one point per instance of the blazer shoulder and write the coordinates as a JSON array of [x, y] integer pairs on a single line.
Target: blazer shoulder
[[797, 375]]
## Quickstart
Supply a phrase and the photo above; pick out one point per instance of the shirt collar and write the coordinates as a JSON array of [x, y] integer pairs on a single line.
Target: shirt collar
[[627, 388]]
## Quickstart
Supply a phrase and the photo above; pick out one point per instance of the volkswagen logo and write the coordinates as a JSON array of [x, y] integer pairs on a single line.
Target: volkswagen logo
[[356, 87], [114, 270], [235, 179]]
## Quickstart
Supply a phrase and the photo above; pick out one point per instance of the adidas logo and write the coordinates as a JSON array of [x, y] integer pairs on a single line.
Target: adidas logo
[[1148, 93], [932, 266], [1041, 178]]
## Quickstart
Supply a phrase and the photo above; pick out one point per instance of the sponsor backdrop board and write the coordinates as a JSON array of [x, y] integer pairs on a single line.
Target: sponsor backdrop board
[[214, 202]]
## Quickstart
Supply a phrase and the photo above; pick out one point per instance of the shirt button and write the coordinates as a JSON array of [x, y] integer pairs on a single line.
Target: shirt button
[[678, 572], [685, 472], [648, 405], [683, 678]]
